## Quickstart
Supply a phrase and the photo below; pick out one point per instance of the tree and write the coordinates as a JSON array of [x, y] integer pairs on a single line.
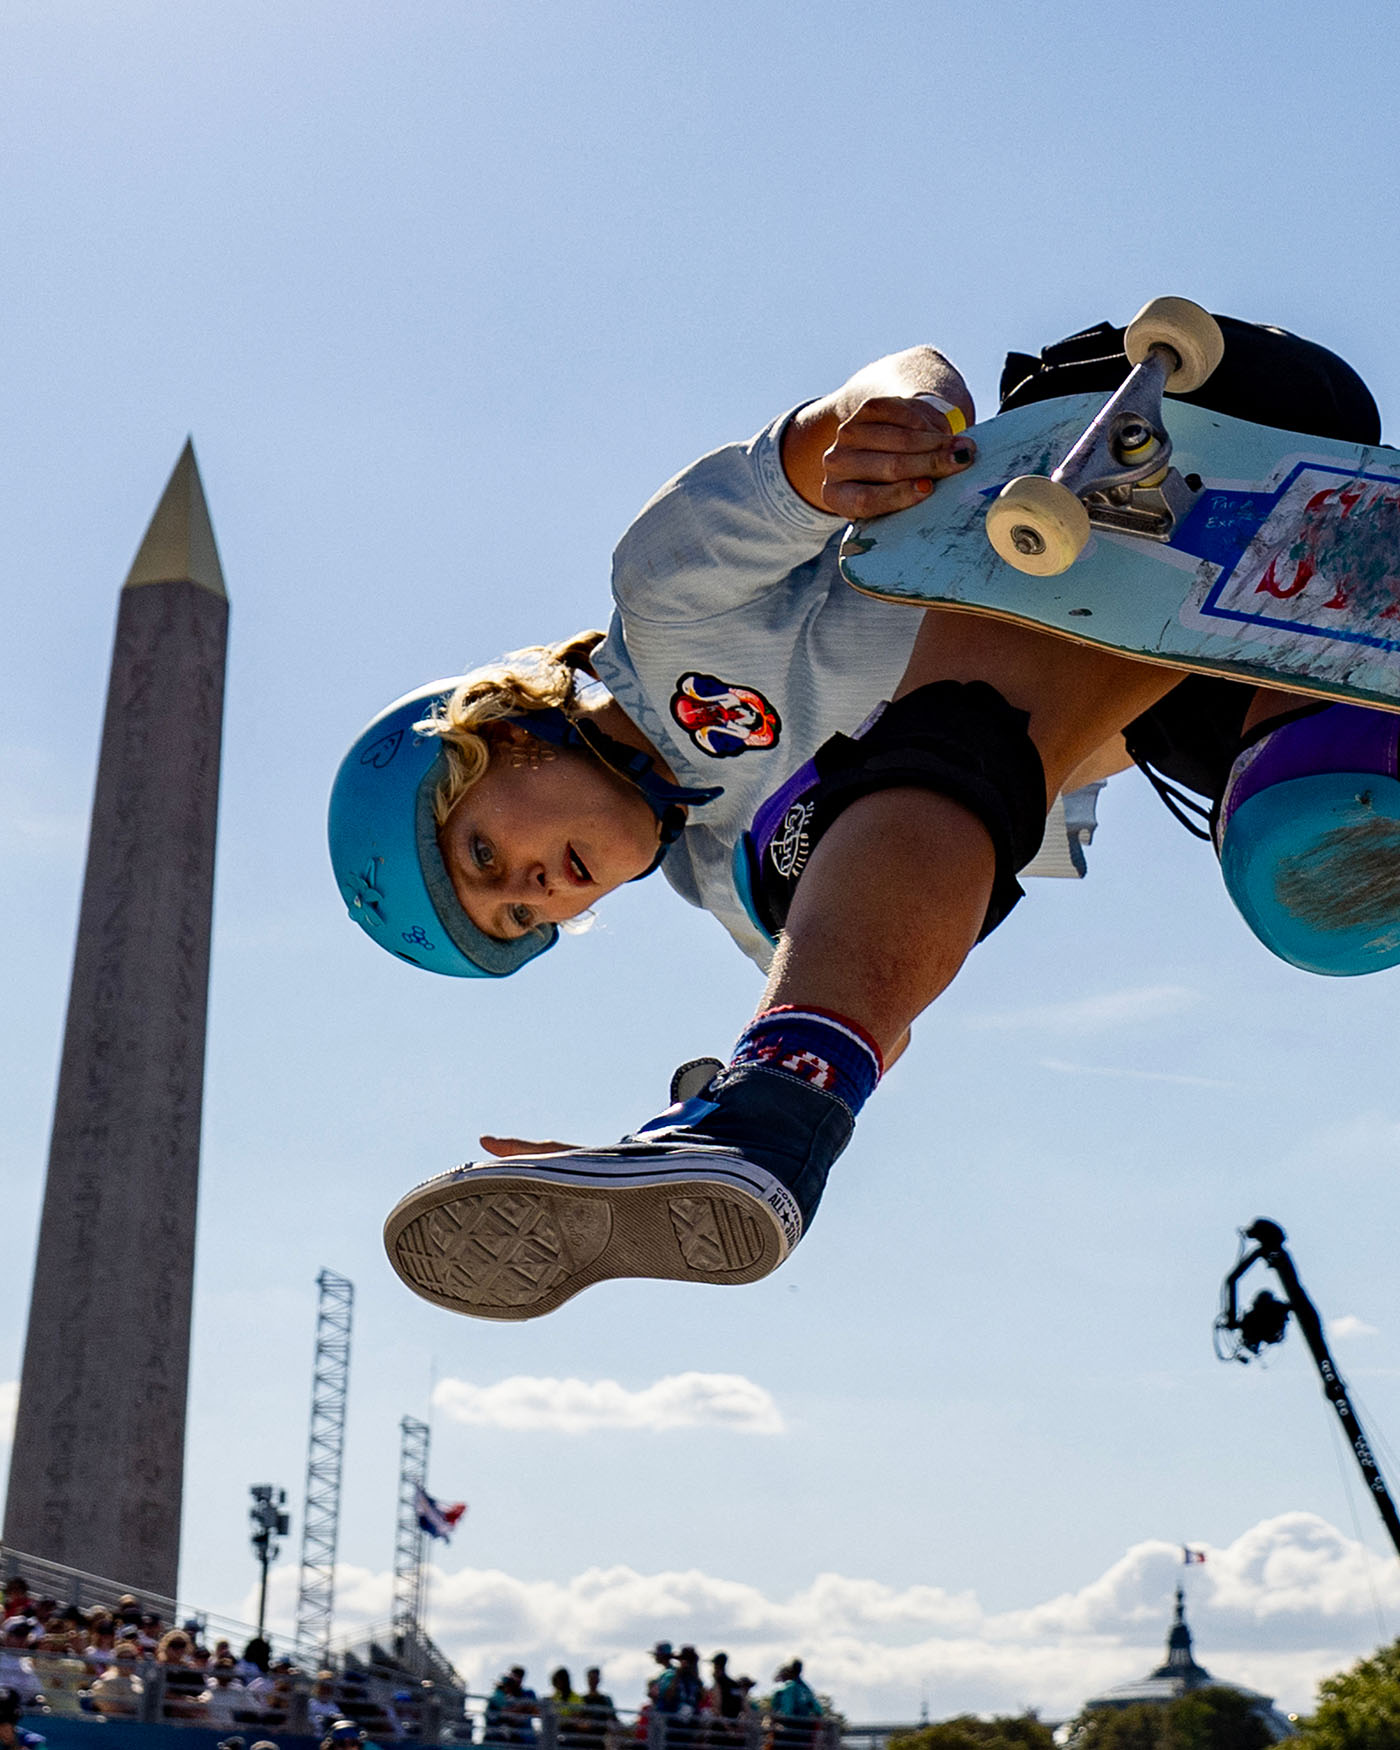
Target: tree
[[967, 1732], [1358, 1709], [1218, 1719], [1215, 1718]]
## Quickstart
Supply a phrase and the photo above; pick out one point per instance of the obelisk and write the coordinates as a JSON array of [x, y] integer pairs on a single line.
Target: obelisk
[[96, 1469]]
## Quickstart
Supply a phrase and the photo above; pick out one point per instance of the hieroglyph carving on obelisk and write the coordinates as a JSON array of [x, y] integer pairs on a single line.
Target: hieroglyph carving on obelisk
[[96, 1469]]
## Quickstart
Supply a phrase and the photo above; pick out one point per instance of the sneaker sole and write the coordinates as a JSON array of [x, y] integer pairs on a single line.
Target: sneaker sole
[[518, 1240]]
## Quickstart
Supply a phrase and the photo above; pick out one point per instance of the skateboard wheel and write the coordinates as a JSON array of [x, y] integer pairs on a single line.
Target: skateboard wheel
[[1037, 525], [1192, 333]]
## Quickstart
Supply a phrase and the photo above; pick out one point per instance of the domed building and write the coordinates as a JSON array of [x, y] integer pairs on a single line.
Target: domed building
[[1180, 1674]]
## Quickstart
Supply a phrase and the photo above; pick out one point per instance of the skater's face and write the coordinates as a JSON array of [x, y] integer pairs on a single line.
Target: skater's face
[[539, 843]]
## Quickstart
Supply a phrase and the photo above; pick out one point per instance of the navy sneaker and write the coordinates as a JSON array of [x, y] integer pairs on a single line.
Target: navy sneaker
[[718, 1189]]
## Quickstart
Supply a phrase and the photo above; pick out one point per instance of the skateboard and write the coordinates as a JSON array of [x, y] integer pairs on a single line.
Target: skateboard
[[1169, 533]]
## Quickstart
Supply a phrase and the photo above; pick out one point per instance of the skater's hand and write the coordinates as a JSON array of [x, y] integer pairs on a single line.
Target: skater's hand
[[887, 455], [505, 1146]]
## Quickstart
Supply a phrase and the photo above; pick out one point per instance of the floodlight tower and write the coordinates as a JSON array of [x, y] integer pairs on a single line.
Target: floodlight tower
[[325, 1453], [409, 1573], [270, 1525]]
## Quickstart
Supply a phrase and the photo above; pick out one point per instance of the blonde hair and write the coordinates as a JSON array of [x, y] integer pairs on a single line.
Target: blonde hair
[[539, 678]]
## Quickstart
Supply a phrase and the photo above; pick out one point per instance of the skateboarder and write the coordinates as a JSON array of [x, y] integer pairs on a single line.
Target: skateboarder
[[729, 729]]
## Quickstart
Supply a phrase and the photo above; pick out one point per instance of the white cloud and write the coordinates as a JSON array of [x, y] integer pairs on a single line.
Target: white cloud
[[1114, 1008], [1288, 1602], [1061, 1067], [1348, 1325], [9, 1403], [579, 1406]]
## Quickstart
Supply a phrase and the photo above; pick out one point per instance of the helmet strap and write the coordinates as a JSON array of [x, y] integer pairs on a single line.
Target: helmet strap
[[668, 802]]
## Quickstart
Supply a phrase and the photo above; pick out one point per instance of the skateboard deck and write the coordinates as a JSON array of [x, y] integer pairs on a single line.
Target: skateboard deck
[[1285, 570]]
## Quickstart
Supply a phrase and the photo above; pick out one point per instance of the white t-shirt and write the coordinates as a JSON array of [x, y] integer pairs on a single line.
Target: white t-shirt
[[17, 1673], [737, 647], [221, 1701]]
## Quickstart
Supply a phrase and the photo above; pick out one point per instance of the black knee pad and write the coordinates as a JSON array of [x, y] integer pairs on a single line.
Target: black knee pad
[[959, 739]]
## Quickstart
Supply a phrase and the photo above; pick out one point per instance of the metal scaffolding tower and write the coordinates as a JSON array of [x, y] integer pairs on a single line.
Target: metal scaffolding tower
[[409, 1567], [325, 1452]]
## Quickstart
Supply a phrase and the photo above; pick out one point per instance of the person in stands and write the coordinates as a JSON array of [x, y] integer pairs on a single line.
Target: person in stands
[[118, 1691], [14, 1736]]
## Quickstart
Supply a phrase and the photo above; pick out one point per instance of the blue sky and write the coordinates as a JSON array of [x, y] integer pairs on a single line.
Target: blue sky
[[444, 291]]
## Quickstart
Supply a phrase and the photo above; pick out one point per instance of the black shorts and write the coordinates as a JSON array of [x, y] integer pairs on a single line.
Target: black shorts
[[1267, 375]]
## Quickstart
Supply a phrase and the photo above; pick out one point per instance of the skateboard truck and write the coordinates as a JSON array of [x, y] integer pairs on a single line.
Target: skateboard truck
[[1118, 474], [1118, 469]]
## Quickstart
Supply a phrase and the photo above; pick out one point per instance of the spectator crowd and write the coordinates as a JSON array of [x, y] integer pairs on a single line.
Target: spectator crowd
[[690, 1713], [124, 1662]]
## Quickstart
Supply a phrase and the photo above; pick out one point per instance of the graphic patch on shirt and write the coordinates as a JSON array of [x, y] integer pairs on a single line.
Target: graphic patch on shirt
[[722, 719]]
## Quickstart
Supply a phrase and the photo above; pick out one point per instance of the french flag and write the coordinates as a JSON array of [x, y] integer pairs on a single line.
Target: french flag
[[1190, 1557], [435, 1518]]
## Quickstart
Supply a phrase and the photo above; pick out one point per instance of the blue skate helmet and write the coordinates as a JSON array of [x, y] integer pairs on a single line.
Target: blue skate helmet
[[1311, 856], [383, 835], [384, 850]]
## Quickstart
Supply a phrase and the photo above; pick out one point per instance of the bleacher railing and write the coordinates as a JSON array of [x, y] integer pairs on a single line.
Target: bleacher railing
[[73, 1586], [405, 1693], [546, 1727], [440, 1718]]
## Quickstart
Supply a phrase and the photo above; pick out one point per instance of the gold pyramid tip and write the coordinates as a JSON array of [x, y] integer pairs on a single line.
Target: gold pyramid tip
[[178, 547]]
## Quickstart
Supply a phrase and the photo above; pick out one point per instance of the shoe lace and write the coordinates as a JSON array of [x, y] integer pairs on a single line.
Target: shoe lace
[[1187, 810]]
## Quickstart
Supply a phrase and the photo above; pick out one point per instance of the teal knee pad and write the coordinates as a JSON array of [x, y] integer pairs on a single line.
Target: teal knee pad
[[1313, 866]]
